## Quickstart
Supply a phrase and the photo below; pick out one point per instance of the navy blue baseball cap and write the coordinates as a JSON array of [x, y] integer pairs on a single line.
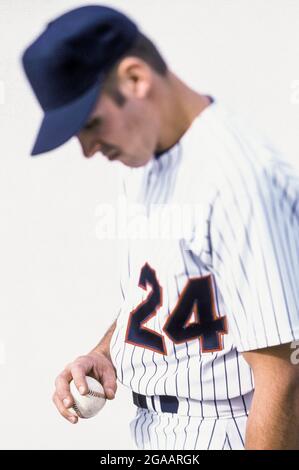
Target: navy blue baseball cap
[[67, 64]]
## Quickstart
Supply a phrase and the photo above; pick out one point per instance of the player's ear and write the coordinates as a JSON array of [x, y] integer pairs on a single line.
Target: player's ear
[[134, 78]]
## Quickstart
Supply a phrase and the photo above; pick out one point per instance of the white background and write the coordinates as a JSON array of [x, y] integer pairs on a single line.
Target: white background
[[58, 282]]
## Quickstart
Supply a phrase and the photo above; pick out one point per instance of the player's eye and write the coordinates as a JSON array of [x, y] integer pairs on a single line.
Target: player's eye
[[92, 124]]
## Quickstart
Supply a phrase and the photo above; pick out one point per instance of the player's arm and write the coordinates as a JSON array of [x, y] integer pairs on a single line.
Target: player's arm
[[273, 421], [97, 363]]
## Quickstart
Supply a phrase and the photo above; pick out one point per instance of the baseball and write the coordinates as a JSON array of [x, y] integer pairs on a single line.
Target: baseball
[[87, 406]]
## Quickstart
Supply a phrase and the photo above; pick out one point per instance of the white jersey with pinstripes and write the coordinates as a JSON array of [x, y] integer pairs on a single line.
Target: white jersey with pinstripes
[[227, 283]]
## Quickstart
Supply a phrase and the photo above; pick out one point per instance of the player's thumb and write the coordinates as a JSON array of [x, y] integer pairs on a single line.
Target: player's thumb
[[108, 381]]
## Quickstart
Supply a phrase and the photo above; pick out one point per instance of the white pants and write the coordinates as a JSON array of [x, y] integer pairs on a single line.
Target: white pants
[[169, 431]]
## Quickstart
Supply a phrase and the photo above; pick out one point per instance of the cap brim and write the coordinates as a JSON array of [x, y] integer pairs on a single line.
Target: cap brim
[[60, 124]]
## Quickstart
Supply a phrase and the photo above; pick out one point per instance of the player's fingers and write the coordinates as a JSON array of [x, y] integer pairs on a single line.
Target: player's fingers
[[72, 417], [108, 381], [79, 376], [62, 384]]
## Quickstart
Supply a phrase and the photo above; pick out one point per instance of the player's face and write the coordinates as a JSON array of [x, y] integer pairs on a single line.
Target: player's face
[[126, 133]]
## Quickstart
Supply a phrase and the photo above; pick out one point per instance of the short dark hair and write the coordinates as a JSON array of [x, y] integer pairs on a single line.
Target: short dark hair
[[144, 49]]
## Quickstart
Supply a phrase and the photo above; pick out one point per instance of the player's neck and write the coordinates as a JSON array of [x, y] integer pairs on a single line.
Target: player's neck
[[179, 107]]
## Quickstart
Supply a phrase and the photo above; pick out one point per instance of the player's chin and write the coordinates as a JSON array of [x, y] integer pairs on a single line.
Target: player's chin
[[134, 162]]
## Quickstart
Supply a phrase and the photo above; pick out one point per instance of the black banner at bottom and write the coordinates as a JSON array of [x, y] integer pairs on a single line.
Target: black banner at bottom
[[134, 459]]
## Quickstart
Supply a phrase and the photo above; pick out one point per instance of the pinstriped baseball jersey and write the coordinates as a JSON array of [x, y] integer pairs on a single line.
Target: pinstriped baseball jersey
[[221, 282]]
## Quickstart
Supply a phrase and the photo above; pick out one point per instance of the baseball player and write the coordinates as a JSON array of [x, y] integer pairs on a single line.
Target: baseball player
[[209, 316]]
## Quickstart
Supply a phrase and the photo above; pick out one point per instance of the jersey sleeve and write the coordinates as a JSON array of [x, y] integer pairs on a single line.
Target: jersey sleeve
[[254, 236]]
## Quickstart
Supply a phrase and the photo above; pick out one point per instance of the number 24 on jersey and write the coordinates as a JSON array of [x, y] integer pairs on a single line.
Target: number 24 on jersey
[[197, 299]]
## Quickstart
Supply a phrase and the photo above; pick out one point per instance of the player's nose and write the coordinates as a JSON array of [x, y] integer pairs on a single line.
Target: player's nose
[[89, 152], [88, 148]]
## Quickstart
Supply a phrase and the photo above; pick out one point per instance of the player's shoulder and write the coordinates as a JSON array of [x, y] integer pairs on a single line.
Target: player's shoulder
[[246, 163]]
